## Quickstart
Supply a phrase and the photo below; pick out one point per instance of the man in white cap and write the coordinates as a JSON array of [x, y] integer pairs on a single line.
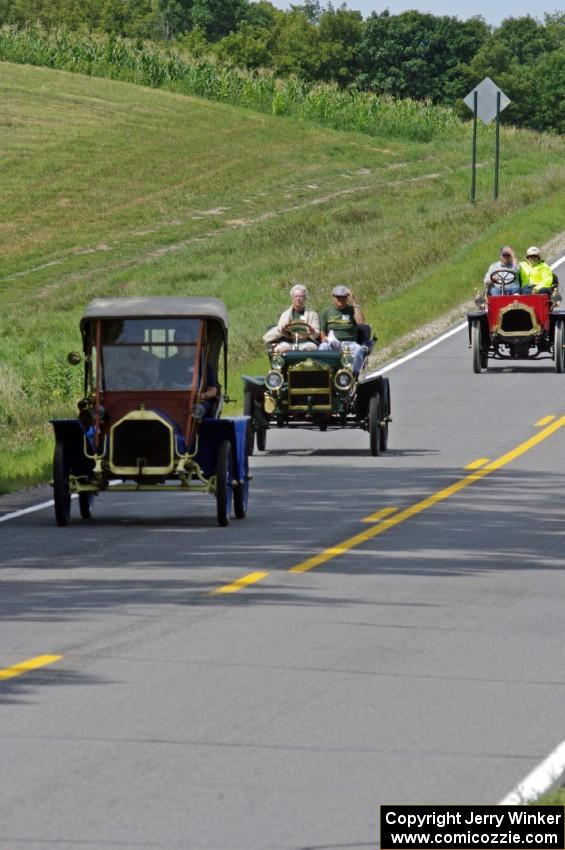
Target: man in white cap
[[297, 327], [536, 276], [338, 325]]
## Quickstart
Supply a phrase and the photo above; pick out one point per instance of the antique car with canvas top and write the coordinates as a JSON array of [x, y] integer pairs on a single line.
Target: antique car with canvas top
[[317, 389], [149, 419], [516, 326]]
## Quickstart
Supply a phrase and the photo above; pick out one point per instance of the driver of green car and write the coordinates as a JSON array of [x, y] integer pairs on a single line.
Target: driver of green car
[[298, 327]]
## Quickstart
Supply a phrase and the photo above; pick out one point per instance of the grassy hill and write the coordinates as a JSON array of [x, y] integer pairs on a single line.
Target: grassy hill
[[111, 188]]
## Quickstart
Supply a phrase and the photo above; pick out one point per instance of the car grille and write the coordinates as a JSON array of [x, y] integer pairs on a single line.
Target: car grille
[[141, 447], [309, 389], [517, 322]]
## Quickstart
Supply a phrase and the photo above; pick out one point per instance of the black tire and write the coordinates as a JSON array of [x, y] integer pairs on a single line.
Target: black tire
[[558, 343], [240, 499], [248, 410], [224, 490], [85, 501], [375, 407], [241, 494], [384, 413], [479, 360], [261, 436], [61, 490]]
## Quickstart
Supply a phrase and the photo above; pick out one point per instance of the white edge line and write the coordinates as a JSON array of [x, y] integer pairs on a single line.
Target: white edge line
[[543, 778], [15, 514], [387, 368], [417, 352]]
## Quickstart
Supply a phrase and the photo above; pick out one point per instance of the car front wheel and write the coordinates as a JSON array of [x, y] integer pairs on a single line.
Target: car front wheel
[[558, 343], [224, 490], [376, 415], [248, 410], [61, 489], [85, 501], [479, 359], [262, 439]]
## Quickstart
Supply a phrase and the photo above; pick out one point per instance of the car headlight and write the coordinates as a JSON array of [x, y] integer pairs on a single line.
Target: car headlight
[[556, 297], [480, 299], [198, 411], [277, 361], [344, 380], [347, 357], [274, 379]]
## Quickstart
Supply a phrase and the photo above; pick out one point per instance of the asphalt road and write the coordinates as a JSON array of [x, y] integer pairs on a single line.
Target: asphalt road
[[419, 658]]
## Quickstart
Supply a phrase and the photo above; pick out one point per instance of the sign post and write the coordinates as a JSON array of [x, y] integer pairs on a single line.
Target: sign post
[[487, 102]]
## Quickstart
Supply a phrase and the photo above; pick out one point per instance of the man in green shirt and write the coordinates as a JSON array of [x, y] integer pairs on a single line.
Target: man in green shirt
[[338, 325]]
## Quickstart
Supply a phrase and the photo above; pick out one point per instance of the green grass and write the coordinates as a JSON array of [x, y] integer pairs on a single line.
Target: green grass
[[110, 188], [151, 65], [552, 798]]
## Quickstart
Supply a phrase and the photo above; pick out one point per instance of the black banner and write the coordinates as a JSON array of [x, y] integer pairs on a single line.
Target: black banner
[[472, 827]]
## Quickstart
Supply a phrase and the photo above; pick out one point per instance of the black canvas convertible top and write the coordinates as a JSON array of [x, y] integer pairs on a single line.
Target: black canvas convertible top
[[155, 307]]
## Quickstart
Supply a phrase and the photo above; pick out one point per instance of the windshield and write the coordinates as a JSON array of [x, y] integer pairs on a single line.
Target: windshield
[[149, 353]]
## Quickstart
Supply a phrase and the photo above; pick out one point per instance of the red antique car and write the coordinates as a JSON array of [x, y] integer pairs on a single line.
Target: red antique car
[[516, 326]]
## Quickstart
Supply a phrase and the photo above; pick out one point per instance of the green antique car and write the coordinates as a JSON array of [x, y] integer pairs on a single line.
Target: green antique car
[[318, 389]]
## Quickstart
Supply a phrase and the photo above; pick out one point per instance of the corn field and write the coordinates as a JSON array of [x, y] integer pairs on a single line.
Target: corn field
[[148, 64]]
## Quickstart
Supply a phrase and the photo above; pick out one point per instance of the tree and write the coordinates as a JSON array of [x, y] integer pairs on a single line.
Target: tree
[[418, 55], [218, 18], [340, 32], [296, 46], [173, 17]]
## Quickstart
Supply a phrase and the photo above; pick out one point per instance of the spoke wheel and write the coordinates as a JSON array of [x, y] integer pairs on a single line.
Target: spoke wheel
[[248, 410], [85, 501], [61, 490], [241, 498], [479, 359], [383, 413], [558, 343], [262, 439], [375, 407], [224, 490]]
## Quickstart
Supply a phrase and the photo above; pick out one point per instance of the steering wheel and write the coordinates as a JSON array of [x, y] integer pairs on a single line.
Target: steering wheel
[[298, 330], [503, 277]]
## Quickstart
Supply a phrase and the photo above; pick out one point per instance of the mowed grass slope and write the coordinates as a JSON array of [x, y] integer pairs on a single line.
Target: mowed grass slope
[[112, 189]]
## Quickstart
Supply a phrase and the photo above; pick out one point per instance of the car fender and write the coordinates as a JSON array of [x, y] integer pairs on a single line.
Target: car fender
[[483, 319], [71, 434], [369, 387], [254, 384], [211, 433], [554, 317]]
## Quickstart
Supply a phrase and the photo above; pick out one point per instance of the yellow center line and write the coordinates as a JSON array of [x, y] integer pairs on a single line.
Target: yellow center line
[[428, 502], [376, 517], [26, 666], [545, 421], [251, 578], [476, 464]]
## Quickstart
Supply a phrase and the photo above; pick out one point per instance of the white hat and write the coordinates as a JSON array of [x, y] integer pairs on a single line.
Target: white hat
[[533, 252]]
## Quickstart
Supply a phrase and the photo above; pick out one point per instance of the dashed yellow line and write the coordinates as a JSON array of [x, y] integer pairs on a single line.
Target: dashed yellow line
[[26, 666], [390, 517], [382, 514], [251, 578], [545, 421], [429, 502], [476, 464]]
